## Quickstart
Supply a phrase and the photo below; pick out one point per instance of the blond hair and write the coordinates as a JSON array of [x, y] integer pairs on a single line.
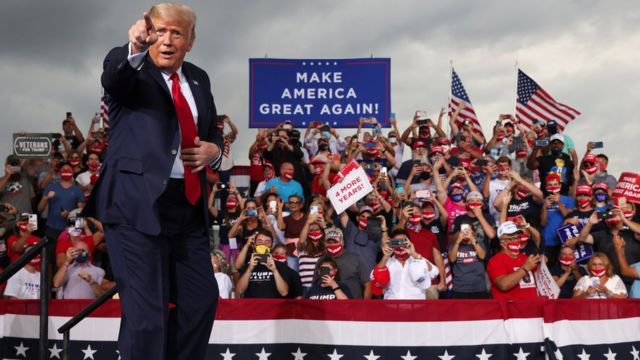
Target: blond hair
[[175, 12], [605, 261]]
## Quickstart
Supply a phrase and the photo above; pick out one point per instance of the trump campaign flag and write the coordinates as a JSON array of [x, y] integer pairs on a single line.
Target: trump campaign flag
[[534, 103], [459, 96]]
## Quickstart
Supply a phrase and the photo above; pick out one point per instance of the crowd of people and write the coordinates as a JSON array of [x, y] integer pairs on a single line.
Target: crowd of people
[[467, 215]]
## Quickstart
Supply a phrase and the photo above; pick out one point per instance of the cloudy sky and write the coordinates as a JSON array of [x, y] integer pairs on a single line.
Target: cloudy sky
[[585, 53]]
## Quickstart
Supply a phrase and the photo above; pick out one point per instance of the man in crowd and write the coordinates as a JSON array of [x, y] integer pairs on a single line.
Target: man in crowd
[[15, 186], [77, 277]]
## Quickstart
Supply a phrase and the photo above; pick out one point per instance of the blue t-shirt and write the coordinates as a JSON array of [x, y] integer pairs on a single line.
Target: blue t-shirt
[[635, 287], [285, 190], [555, 220], [65, 199]]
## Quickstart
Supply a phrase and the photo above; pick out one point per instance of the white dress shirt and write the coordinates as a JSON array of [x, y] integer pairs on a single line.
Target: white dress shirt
[[409, 281]]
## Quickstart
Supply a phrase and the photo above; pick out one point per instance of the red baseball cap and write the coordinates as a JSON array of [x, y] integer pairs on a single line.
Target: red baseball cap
[[584, 189], [380, 278]]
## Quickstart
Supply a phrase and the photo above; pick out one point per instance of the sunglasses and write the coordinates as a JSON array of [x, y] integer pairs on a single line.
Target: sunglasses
[[294, 202]]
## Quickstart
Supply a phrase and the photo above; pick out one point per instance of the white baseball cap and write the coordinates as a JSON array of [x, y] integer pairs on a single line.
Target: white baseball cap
[[507, 228]]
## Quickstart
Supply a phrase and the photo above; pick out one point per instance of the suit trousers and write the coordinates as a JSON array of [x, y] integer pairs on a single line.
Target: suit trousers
[[154, 271]]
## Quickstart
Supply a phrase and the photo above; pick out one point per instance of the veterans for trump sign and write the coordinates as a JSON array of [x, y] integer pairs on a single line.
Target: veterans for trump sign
[[353, 185], [33, 146], [628, 186], [336, 92]]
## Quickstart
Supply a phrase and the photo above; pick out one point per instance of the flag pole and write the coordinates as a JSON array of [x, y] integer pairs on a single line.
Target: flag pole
[[449, 102], [515, 94]]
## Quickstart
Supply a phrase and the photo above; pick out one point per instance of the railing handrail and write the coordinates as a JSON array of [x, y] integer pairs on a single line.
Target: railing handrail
[[27, 256], [88, 310]]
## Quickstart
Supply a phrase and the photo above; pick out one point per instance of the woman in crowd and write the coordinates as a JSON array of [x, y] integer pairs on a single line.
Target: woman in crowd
[[310, 248], [601, 282], [567, 272], [227, 215], [327, 285]]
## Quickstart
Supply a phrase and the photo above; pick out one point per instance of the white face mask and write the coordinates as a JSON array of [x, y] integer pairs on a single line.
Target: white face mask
[[393, 140]]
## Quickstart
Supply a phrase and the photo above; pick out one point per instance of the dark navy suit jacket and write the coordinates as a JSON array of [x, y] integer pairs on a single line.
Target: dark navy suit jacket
[[144, 139]]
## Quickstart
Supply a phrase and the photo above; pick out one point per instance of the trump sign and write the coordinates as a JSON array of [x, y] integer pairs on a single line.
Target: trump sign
[[335, 92]]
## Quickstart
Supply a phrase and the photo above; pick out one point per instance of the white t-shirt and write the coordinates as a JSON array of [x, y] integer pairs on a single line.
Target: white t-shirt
[[84, 179], [24, 285], [495, 187], [614, 284], [224, 285]]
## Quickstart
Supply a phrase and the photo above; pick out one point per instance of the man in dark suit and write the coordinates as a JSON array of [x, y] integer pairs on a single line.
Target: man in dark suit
[[151, 193]]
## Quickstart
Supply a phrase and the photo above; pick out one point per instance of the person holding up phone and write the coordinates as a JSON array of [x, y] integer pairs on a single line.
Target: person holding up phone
[[402, 273], [467, 256], [327, 285], [262, 275], [363, 238]]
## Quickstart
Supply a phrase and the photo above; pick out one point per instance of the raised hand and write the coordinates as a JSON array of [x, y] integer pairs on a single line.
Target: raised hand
[[142, 35]]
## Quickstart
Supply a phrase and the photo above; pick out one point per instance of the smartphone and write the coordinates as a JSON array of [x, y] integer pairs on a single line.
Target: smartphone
[[313, 209], [597, 144], [417, 162], [262, 258], [252, 212], [397, 243], [605, 215], [377, 130], [374, 226], [383, 171], [33, 220], [422, 115], [542, 142], [422, 122], [481, 162], [273, 206], [68, 114], [423, 194], [465, 228], [392, 115], [79, 223], [325, 271]]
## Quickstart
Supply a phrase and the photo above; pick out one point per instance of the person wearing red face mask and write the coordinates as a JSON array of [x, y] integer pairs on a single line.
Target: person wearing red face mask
[[20, 240], [601, 282], [284, 185], [327, 285], [409, 274], [351, 267], [616, 224], [425, 243], [75, 160], [602, 176], [25, 284], [492, 187], [510, 271], [362, 233], [310, 248], [467, 256], [567, 272], [525, 199], [268, 173], [88, 179], [227, 215], [482, 222], [584, 208], [62, 197], [554, 209]]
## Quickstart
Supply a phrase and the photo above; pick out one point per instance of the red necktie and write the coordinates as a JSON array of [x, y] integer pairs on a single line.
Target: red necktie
[[188, 130]]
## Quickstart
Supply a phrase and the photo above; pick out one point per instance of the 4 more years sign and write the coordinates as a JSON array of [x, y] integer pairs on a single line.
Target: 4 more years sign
[[629, 187]]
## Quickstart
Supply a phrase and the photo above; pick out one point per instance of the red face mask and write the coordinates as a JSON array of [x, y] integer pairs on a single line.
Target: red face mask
[[375, 205], [567, 260], [628, 214], [318, 169], [415, 219], [93, 167], [553, 189], [288, 175], [521, 154], [66, 175], [598, 272], [428, 215], [74, 162], [262, 147], [280, 258], [231, 204], [514, 247], [401, 253], [315, 236], [602, 166], [584, 203], [591, 170], [473, 205], [522, 193], [362, 223], [23, 226], [613, 221], [334, 249], [523, 238]]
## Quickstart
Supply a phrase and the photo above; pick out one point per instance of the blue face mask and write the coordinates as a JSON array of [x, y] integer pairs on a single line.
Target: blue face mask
[[83, 257], [456, 197], [602, 197]]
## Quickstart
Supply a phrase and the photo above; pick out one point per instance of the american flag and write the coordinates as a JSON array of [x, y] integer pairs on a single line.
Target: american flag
[[104, 110], [534, 103], [458, 95]]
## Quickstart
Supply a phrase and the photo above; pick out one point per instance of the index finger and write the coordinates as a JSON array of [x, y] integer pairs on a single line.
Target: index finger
[[148, 22]]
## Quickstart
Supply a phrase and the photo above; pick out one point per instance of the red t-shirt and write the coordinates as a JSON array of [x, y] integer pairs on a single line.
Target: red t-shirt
[[256, 168], [503, 264], [13, 256], [64, 243], [317, 188], [424, 242]]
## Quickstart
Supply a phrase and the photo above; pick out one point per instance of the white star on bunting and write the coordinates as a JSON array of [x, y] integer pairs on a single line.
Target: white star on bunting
[[610, 355], [298, 355], [635, 353], [88, 352], [335, 355], [263, 355], [227, 355], [584, 355], [483, 355], [21, 349], [521, 355], [371, 355], [408, 356], [446, 356], [55, 352]]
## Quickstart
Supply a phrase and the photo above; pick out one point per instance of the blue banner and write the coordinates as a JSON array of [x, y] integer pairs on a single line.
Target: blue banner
[[582, 251], [337, 92]]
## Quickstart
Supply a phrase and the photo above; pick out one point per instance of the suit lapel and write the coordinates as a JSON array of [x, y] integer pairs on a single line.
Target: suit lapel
[[196, 90]]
